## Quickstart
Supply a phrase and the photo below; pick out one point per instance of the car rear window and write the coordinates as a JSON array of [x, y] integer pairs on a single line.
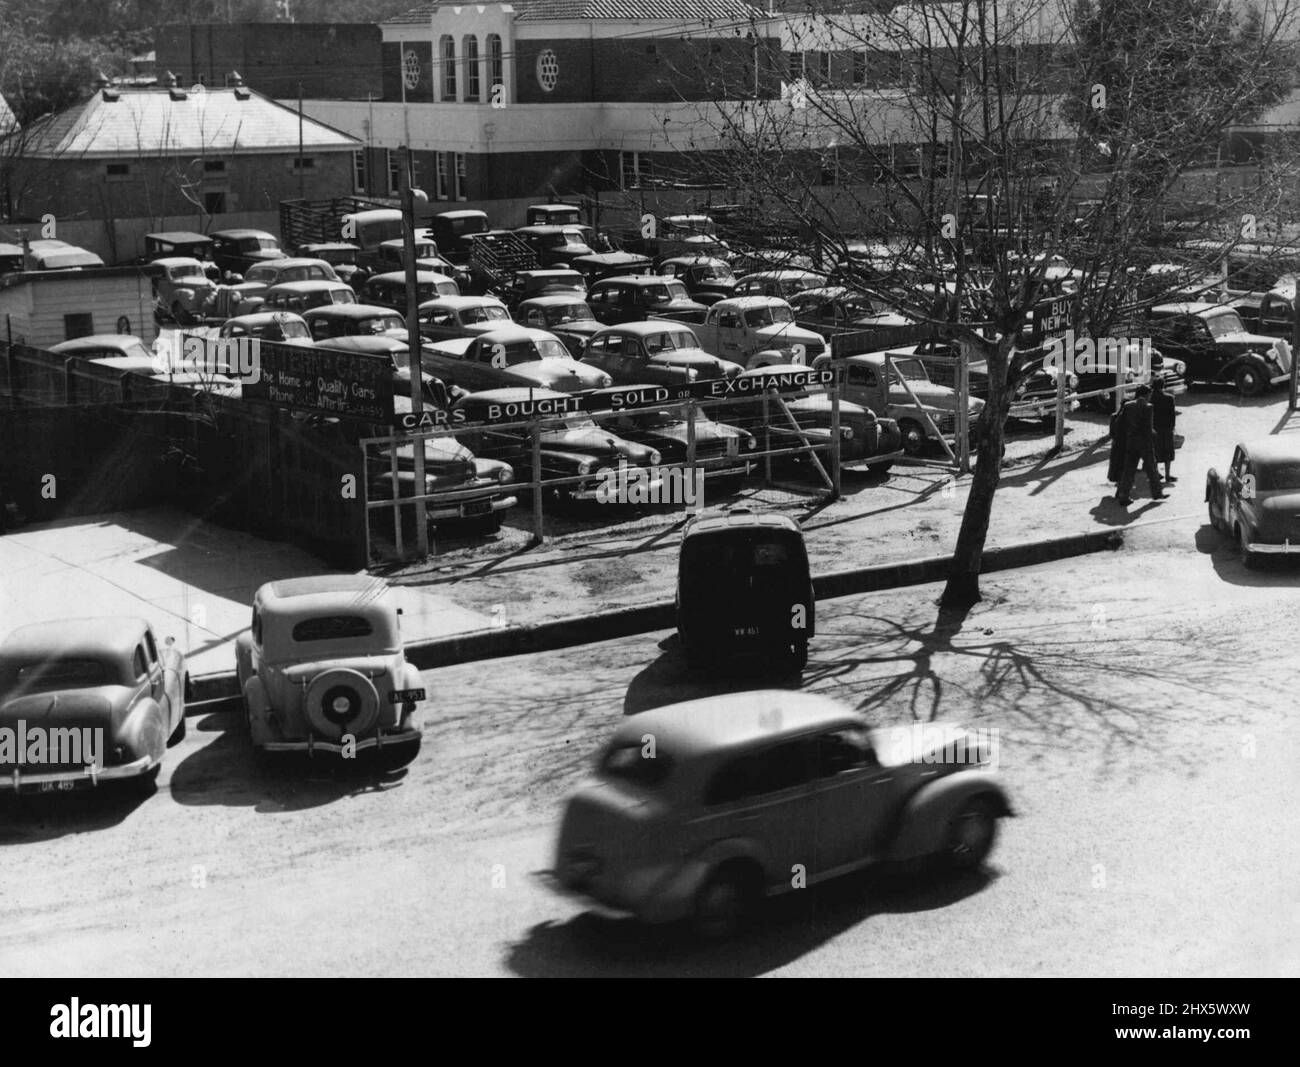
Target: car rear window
[[630, 763], [332, 628], [62, 674], [737, 552]]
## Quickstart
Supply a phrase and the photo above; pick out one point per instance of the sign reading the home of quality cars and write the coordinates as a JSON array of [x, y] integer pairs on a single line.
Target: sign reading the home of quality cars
[[348, 384]]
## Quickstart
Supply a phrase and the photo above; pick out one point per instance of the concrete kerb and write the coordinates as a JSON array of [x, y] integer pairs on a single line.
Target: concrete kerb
[[625, 622]]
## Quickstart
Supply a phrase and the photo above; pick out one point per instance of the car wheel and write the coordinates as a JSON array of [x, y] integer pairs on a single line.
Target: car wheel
[[144, 785], [1250, 382], [913, 437], [178, 734], [971, 832], [1214, 523], [1249, 560], [723, 903]]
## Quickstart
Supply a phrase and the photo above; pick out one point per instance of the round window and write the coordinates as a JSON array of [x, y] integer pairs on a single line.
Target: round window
[[548, 69], [411, 68]]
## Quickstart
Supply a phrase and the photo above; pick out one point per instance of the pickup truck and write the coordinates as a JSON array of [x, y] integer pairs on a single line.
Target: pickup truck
[[757, 331], [864, 379]]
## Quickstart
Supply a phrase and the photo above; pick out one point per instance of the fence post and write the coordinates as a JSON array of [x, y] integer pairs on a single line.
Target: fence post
[[535, 432], [836, 449]]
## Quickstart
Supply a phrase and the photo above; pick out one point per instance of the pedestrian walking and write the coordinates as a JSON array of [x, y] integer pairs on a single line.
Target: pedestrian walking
[[1163, 413], [1115, 471], [1139, 446]]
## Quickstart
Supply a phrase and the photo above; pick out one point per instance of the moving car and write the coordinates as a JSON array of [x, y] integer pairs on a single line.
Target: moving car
[[106, 697], [345, 320], [1215, 346], [631, 298], [565, 314], [322, 669], [1257, 503], [446, 317], [744, 589], [239, 249], [511, 355], [656, 351], [744, 789]]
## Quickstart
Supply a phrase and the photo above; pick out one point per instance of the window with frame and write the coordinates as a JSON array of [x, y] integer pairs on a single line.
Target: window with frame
[[117, 172], [214, 202], [496, 60], [394, 172], [472, 74], [440, 183], [448, 50], [359, 175], [459, 174], [859, 67], [823, 68], [629, 169]]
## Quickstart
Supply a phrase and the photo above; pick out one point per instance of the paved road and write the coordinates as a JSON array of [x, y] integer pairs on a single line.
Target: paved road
[[1145, 703]]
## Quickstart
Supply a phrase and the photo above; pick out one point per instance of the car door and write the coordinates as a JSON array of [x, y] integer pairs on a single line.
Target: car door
[[1232, 489], [631, 362], [169, 662], [855, 798], [730, 336], [603, 303], [766, 796]]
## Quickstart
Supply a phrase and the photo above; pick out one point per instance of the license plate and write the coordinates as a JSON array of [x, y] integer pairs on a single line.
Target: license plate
[[56, 787], [477, 507], [405, 696]]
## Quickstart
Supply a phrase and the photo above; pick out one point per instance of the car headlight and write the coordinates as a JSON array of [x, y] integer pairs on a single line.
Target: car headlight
[[586, 466], [751, 443], [846, 432], [606, 381], [505, 474], [655, 458], [692, 374]]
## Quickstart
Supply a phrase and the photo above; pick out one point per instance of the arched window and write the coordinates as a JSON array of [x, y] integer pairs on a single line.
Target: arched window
[[448, 50], [496, 61], [472, 76]]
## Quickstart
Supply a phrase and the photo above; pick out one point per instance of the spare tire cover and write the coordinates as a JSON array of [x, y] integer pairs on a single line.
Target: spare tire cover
[[341, 701]]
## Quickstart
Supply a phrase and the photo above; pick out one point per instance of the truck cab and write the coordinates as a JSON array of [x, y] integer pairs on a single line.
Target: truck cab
[[755, 331]]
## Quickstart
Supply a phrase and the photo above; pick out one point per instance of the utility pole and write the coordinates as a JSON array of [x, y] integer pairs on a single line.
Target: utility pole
[[413, 347], [301, 174]]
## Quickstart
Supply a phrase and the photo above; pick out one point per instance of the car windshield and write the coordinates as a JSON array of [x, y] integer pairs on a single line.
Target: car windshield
[[50, 674], [381, 323], [768, 316], [911, 369], [1223, 323], [374, 233], [341, 296], [190, 270], [669, 341], [294, 329], [337, 257], [1279, 476], [573, 237], [579, 422], [630, 763], [714, 272], [137, 350], [568, 313], [259, 244], [527, 352], [484, 313]]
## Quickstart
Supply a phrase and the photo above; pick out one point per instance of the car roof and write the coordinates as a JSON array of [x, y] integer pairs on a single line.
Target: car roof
[[510, 395], [331, 246], [511, 331], [606, 258], [319, 585], [178, 237], [349, 311], [121, 341], [420, 276], [181, 261], [307, 285], [1273, 449], [75, 638], [695, 259], [552, 299], [462, 301], [754, 300], [379, 214], [544, 228], [1189, 307], [378, 343], [464, 213], [733, 721], [258, 318], [285, 262], [243, 233], [648, 326], [551, 272], [559, 205], [737, 517], [783, 273]]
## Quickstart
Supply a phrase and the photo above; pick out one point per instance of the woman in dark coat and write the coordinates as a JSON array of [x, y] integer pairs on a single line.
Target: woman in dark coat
[[1163, 414]]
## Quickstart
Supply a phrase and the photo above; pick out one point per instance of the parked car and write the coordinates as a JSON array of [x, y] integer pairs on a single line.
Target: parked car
[[553, 280], [389, 290], [107, 346], [453, 231], [289, 269], [632, 298], [12, 258], [344, 320], [1215, 346], [49, 254], [758, 330], [177, 243], [231, 300], [446, 317], [656, 352], [834, 308], [721, 450], [601, 265], [299, 297], [707, 278], [572, 445], [552, 215], [343, 256], [78, 675], [556, 245], [390, 258], [269, 326], [184, 288], [565, 314], [511, 355], [746, 787], [784, 283], [322, 669], [237, 250], [1257, 503]]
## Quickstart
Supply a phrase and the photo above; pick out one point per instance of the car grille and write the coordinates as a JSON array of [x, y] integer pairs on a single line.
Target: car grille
[[947, 422]]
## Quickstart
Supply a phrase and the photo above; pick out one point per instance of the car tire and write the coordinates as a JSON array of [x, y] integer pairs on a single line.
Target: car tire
[[178, 734], [1249, 381], [913, 437], [880, 469], [972, 831], [1214, 523], [144, 785], [723, 903]]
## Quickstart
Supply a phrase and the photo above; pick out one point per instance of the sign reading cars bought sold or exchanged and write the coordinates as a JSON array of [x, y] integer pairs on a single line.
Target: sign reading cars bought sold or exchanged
[[348, 384]]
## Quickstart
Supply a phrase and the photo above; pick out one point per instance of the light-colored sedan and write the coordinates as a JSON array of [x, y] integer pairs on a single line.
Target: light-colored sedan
[[512, 356]]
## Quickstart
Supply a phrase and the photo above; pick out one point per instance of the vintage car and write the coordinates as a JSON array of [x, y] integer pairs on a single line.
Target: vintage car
[[833, 308], [268, 326], [12, 258], [235, 251], [572, 444], [601, 265], [369, 229], [529, 283], [446, 317], [454, 232], [511, 355], [347, 320], [707, 278], [108, 346], [556, 245], [182, 243], [559, 214], [389, 290], [755, 331], [632, 298], [341, 255], [721, 451], [51, 254], [656, 351], [390, 257], [745, 788], [297, 269], [299, 297], [565, 314], [1257, 503], [1215, 346], [184, 288], [104, 695], [322, 669], [783, 283]]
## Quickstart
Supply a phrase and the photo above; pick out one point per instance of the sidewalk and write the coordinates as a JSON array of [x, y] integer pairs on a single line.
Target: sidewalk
[[195, 581]]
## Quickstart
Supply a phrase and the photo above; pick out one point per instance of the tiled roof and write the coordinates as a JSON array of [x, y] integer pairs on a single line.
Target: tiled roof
[[143, 122], [569, 10]]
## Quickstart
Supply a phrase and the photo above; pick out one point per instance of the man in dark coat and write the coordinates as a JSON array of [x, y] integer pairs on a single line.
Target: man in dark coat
[[1116, 468], [1139, 446], [1163, 414]]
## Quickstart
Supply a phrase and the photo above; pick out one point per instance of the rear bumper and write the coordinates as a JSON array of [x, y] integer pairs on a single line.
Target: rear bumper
[[1265, 548], [313, 745], [17, 780]]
